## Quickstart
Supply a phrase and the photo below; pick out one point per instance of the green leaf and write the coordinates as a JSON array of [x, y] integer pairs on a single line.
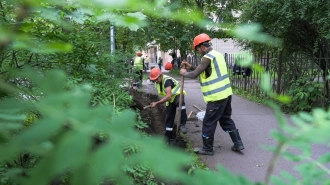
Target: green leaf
[[252, 32], [284, 98], [279, 136], [108, 160], [73, 146], [277, 180], [133, 21], [45, 128], [12, 117], [42, 48], [171, 164], [325, 158], [292, 157], [258, 67], [10, 126], [245, 59], [290, 178], [265, 82]]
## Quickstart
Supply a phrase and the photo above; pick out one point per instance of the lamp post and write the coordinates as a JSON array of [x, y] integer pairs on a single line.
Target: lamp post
[[112, 39]]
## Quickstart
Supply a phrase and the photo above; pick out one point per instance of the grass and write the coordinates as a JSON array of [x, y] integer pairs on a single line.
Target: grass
[[261, 99], [175, 71], [197, 162]]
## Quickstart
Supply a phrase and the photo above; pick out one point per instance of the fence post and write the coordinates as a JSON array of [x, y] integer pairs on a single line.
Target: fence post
[[245, 82], [279, 73]]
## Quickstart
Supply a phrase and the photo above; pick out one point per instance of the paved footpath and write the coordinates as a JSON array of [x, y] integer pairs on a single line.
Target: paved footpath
[[254, 122]]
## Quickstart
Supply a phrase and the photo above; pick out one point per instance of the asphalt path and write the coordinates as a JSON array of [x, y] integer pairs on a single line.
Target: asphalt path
[[255, 123]]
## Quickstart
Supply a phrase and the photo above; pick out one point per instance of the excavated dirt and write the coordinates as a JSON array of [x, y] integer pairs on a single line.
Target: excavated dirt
[[154, 117]]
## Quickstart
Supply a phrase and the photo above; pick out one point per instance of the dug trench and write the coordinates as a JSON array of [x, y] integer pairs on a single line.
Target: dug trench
[[154, 117]]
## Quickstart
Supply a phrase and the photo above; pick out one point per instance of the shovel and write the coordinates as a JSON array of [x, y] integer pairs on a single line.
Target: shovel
[[180, 108], [148, 106], [200, 115]]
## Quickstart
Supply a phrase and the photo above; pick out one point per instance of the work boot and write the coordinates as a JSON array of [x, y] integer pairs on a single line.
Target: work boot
[[183, 128], [168, 136], [238, 145], [207, 147]]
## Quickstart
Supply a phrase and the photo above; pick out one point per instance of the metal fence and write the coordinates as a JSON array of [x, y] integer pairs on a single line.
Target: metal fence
[[194, 59], [283, 69]]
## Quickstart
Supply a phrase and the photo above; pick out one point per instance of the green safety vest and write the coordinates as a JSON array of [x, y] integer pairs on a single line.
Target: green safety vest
[[175, 90], [138, 65], [217, 86]]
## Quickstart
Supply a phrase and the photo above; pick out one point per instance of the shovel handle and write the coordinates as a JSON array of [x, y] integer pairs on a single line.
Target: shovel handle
[[197, 108], [146, 106], [190, 114]]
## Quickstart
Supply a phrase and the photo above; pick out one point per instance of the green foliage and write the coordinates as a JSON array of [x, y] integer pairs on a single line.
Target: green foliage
[[258, 98], [140, 124], [302, 26], [175, 71], [301, 136], [297, 19], [72, 110], [305, 94], [64, 137], [141, 174]]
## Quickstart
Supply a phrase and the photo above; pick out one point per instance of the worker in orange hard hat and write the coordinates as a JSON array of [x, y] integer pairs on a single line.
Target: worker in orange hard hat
[[169, 89], [217, 93], [138, 68], [168, 66]]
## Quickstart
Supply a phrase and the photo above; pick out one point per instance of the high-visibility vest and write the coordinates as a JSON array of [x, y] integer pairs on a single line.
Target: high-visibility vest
[[217, 86], [138, 65], [175, 90]]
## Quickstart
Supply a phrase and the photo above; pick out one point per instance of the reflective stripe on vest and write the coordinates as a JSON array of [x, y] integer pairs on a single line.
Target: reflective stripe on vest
[[217, 86], [138, 63], [175, 91]]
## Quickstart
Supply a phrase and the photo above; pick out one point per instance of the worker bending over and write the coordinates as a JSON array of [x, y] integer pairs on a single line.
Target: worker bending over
[[169, 89]]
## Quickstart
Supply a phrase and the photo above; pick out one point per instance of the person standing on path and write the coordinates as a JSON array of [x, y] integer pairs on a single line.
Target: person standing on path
[[147, 60], [138, 68], [217, 93], [160, 62], [169, 89]]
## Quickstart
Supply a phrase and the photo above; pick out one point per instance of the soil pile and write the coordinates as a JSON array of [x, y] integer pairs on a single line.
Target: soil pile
[[154, 117]]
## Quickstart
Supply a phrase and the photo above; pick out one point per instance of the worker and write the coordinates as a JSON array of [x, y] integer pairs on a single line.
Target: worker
[[168, 66], [217, 93], [147, 60], [169, 89], [138, 68]]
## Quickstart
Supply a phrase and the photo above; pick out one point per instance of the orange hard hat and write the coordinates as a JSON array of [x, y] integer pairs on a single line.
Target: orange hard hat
[[155, 73], [139, 53], [199, 39], [168, 66]]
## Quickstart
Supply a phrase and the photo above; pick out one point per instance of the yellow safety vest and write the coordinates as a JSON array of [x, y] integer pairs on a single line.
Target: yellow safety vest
[[175, 90], [217, 86], [138, 65]]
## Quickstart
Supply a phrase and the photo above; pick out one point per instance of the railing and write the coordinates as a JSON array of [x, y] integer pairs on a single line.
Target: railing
[[283, 69]]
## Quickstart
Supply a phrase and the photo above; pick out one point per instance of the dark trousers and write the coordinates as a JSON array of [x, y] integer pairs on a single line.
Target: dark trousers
[[218, 111], [160, 66], [171, 112], [140, 74]]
